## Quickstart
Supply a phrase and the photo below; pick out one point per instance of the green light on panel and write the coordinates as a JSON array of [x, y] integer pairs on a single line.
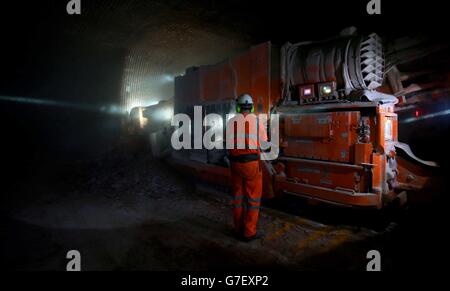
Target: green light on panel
[[326, 90]]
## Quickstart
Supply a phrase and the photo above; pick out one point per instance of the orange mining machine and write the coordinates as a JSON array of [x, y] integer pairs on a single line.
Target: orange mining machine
[[338, 134]]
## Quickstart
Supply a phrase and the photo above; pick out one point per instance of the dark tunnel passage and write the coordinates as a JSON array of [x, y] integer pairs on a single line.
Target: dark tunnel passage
[[73, 181], [117, 56]]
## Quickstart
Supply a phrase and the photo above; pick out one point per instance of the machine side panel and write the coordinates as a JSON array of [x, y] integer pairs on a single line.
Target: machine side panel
[[323, 136]]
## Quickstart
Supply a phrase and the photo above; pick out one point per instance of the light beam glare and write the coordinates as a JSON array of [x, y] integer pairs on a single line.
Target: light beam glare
[[109, 109], [427, 116]]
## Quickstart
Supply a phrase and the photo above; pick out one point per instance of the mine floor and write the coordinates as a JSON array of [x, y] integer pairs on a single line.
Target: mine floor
[[128, 211]]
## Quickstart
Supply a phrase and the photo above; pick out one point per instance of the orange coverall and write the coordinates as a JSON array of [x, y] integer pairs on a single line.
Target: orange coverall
[[246, 178]]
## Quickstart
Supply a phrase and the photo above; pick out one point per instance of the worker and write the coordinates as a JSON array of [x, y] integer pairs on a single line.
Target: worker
[[246, 171]]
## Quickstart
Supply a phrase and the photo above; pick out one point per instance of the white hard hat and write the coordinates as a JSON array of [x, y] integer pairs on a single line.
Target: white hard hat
[[245, 99]]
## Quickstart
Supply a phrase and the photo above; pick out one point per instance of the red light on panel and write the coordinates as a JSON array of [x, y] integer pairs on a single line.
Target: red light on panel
[[306, 92], [417, 113]]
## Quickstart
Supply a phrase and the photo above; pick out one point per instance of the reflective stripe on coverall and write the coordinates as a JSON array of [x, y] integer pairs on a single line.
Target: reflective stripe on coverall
[[247, 189]]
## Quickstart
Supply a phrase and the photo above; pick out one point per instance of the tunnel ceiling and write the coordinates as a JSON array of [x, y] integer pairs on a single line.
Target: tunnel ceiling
[[122, 52]]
